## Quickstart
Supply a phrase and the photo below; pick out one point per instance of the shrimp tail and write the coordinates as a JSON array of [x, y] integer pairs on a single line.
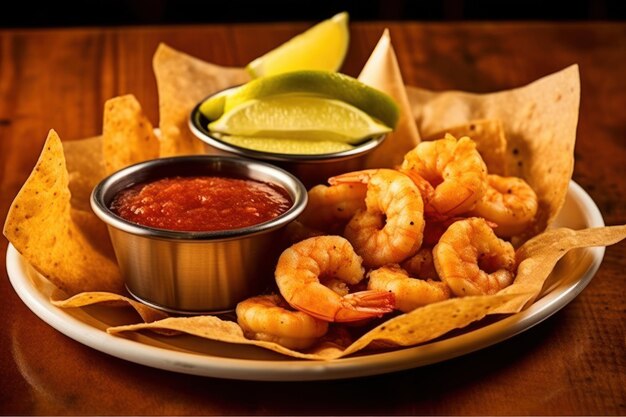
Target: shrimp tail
[[365, 304], [355, 177]]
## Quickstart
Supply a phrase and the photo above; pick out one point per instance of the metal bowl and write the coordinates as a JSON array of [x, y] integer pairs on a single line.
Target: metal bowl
[[310, 169], [196, 272]]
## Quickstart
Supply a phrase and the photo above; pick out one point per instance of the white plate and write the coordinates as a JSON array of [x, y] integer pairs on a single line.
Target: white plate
[[187, 354]]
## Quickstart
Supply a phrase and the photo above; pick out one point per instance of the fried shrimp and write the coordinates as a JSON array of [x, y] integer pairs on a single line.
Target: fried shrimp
[[391, 227], [268, 318], [509, 202], [454, 169], [330, 207], [472, 260], [409, 292], [305, 267]]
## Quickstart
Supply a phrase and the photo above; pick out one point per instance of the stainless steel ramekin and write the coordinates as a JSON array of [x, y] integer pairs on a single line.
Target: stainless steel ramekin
[[310, 169], [196, 272]]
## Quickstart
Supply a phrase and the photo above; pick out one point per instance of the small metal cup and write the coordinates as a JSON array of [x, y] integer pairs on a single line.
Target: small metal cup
[[310, 169], [196, 272]]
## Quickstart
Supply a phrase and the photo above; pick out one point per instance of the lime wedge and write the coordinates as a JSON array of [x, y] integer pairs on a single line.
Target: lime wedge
[[322, 46], [213, 107], [286, 146], [332, 85], [299, 117]]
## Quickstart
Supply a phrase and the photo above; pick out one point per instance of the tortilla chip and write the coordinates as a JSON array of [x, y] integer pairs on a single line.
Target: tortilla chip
[[490, 141], [183, 81], [538, 257], [539, 120], [148, 314], [85, 167], [83, 159], [41, 228], [212, 328], [431, 321], [382, 71], [127, 134]]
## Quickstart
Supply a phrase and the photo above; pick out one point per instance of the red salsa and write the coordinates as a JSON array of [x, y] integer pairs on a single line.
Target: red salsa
[[202, 203]]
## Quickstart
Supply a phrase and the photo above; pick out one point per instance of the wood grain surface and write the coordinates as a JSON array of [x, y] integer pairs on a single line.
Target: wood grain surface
[[574, 363]]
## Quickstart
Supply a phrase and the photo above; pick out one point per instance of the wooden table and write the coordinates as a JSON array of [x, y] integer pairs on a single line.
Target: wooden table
[[572, 363]]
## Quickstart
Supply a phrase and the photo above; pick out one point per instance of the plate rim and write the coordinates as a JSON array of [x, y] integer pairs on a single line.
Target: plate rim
[[297, 369]]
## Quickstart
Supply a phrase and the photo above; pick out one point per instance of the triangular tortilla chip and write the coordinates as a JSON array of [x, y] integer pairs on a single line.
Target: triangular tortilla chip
[[127, 134], [83, 159], [539, 120], [147, 313], [183, 81], [538, 256], [212, 328], [382, 71], [41, 228], [431, 321]]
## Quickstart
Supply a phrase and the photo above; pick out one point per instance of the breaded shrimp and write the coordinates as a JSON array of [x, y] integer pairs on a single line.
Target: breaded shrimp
[[472, 260], [454, 169], [305, 267], [509, 202], [409, 292], [268, 318], [391, 227]]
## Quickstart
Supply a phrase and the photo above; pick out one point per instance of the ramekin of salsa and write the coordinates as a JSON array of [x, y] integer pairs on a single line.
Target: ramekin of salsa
[[201, 203], [197, 234]]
